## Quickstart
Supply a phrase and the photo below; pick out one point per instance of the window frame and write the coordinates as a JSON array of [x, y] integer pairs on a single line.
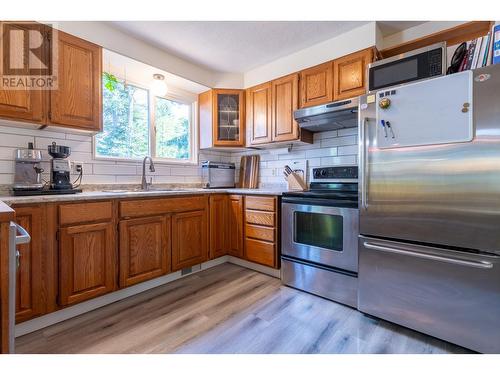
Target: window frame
[[193, 126]]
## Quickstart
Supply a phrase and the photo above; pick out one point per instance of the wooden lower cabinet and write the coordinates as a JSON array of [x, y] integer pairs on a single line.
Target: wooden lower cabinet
[[77, 253], [6, 215], [87, 262], [219, 208], [144, 249], [262, 252], [29, 283], [226, 225], [189, 239], [261, 230], [235, 226]]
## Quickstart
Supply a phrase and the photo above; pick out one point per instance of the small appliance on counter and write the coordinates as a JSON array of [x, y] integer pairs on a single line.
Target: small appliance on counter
[[28, 173], [27, 179], [217, 175], [60, 169]]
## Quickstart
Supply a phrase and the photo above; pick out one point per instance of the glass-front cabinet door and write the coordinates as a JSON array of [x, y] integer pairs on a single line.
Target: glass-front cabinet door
[[228, 121]]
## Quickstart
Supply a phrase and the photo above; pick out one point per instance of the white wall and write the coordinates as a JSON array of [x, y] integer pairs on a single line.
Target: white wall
[[352, 41], [329, 148]]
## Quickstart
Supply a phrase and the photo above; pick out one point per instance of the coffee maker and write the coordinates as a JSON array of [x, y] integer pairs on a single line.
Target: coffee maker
[[28, 173], [60, 170]]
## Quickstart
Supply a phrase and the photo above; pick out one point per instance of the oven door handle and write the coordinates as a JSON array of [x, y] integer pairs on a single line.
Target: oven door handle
[[445, 259]]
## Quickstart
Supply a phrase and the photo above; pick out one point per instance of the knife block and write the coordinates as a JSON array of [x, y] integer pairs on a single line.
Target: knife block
[[295, 182]]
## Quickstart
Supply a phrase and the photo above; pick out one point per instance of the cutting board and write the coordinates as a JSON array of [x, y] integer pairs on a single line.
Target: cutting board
[[249, 172]]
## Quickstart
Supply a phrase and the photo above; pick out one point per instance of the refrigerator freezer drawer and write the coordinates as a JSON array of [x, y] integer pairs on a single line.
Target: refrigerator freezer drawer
[[336, 286], [448, 294]]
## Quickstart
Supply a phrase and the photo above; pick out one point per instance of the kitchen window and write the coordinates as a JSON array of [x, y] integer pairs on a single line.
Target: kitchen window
[[137, 124]]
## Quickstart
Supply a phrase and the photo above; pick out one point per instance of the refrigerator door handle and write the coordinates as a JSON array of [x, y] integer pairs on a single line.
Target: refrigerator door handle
[[363, 163], [462, 262], [24, 236]]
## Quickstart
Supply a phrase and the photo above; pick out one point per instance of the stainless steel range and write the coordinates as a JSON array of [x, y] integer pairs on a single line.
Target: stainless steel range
[[319, 234]]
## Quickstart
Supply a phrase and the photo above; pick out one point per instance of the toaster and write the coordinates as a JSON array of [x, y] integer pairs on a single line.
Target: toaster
[[217, 175]]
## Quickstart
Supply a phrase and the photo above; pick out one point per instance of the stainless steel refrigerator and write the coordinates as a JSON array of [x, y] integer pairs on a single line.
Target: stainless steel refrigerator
[[429, 245]]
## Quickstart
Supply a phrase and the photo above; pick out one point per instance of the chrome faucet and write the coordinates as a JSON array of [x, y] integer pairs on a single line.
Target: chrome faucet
[[145, 185]]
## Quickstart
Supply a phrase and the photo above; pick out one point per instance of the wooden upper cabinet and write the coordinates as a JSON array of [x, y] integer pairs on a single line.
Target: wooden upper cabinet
[[87, 262], [219, 231], [235, 226], [77, 101], [29, 287], [144, 249], [222, 118], [316, 85], [285, 100], [25, 105], [229, 118], [189, 239], [259, 109], [349, 74]]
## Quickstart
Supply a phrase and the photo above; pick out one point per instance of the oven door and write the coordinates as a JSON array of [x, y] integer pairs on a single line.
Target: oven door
[[321, 234]]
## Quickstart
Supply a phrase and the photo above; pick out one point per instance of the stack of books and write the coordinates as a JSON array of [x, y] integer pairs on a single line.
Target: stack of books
[[483, 51]]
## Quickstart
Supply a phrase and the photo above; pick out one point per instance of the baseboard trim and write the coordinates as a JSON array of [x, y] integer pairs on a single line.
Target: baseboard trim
[[254, 266], [95, 303]]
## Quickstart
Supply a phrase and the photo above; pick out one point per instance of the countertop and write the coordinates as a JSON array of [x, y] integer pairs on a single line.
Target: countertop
[[120, 194], [6, 213]]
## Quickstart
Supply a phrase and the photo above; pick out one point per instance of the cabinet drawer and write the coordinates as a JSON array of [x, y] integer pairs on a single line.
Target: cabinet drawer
[[260, 203], [260, 218], [260, 252], [152, 207], [85, 212], [260, 233]]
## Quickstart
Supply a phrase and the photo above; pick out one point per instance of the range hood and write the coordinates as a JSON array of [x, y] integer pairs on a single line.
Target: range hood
[[331, 116]]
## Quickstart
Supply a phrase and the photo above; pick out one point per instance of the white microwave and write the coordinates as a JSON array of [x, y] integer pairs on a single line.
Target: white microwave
[[423, 63]]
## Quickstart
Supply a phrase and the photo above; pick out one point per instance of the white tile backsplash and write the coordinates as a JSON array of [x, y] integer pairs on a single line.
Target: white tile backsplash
[[331, 147]]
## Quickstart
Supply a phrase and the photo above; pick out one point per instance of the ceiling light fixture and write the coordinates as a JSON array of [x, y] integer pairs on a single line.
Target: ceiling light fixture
[[158, 86]]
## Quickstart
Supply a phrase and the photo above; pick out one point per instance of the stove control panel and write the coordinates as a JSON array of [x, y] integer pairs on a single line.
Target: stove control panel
[[335, 173]]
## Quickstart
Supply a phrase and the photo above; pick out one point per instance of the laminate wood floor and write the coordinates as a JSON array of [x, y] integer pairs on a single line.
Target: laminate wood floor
[[228, 309]]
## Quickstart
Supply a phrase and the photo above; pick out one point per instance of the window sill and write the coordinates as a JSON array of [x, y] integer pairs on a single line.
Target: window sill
[[139, 160]]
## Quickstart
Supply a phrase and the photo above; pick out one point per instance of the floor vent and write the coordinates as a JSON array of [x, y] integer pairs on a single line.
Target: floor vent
[[188, 270]]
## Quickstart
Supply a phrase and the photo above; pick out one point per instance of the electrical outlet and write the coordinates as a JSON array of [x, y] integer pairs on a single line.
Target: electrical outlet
[[77, 166]]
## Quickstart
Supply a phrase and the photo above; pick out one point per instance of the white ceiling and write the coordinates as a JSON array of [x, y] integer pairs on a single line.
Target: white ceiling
[[230, 46], [139, 73]]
